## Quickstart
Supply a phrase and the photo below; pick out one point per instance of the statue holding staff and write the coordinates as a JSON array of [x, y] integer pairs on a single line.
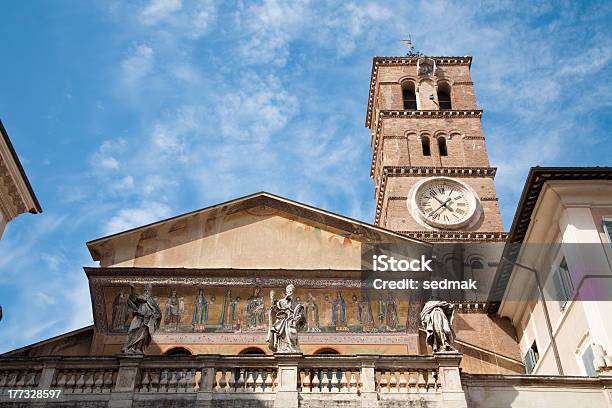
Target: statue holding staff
[[286, 317], [437, 320], [145, 321]]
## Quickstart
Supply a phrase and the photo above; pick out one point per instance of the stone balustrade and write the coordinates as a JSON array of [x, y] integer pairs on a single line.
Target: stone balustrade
[[282, 380]]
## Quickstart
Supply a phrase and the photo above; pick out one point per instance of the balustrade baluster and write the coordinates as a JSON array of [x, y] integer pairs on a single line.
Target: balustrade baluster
[[268, 380], [431, 381], [173, 380], [412, 381], [316, 382], [306, 381], [61, 379], [334, 381], [240, 384], [181, 385], [402, 383], [232, 380], [259, 382], [250, 383], [145, 382], [3, 378], [421, 382], [21, 379], [393, 382], [70, 383], [384, 382], [154, 380], [324, 381], [89, 382], [98, 382], [191, 380], [344, 381], [223, 381], [31, 380], [80, 381], [163, 380], [109, 380]]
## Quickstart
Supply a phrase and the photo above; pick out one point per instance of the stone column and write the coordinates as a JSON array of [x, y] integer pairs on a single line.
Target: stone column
[[369, 396], [287, 377], [450, 379], [123, 392]]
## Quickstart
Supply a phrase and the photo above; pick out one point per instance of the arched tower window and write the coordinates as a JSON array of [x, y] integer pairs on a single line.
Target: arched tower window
[[444, 96], [442, 146], [426, 146], [409, 95]]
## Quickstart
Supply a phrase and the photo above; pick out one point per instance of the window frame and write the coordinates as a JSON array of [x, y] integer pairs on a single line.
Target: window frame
[[562, 283], [607, 229], [531, 358]]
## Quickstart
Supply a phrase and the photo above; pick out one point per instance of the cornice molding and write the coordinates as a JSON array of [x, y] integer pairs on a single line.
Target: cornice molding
[[457, 236], [11, 201], [415, 114], [399, 61], [16, 194]]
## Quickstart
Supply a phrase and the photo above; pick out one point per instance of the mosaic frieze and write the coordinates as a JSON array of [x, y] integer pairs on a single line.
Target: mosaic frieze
[[245, 309]]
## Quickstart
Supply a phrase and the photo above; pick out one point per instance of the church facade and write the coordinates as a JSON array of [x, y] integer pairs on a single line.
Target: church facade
[[214, 274]]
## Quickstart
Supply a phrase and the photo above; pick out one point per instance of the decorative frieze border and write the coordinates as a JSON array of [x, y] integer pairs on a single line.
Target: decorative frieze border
[[402, 338], [104, 277], [457, 236]]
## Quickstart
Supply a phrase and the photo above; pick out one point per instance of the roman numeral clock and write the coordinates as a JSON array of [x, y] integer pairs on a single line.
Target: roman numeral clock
[[444, 203]]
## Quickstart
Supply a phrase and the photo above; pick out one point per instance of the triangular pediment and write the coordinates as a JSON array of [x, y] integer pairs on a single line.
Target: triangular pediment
[[257, 231]]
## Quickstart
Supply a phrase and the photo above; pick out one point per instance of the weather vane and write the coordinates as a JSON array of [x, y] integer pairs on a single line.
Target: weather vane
[[411, 51]]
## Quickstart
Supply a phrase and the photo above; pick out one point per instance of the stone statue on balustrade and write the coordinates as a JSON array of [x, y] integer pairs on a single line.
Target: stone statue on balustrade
[[146, 317], [285, 318], [437, 320]]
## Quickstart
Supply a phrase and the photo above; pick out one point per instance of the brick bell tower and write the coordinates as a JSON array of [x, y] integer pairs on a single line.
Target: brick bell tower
[[430, 166]]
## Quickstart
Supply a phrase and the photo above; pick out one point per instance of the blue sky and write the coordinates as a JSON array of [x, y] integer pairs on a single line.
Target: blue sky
[[127, 112]]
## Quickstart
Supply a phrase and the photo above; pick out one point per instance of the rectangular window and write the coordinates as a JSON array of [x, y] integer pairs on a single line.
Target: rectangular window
[[607, 226], [531, 358], [564, 288], [587, 360]]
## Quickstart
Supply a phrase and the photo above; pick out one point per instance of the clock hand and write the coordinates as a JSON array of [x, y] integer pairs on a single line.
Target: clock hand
[[441, 205], [446, 202], [437, 199]]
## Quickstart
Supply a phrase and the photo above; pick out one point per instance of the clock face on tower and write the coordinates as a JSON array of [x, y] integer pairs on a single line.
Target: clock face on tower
[[444, 203]]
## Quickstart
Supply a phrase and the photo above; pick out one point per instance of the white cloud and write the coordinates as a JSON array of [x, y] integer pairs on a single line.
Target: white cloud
[[260, 107], [158, 10], [133, 217], [137, 64], [267, 30]]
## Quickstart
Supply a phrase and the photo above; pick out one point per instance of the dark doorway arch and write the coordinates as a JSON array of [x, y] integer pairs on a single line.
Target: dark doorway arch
[[253, 351], [326, 351], [178, 351]]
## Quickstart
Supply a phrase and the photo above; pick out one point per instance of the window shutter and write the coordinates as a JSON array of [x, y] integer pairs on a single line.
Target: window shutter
[[587, 359], [530, 361], [607, 225]]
